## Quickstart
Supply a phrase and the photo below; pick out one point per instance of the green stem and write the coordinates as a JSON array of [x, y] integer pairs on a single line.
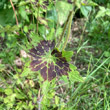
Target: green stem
[[38, 18], [69, 19], [64, 29], [69, 29]]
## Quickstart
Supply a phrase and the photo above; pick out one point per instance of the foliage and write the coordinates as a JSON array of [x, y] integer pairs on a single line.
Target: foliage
[[37, 72]]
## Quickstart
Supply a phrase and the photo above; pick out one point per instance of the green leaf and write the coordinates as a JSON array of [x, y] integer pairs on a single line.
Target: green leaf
[[107, 54], [8, 91], [6, 17], [67, 55], [26, 70], [15, 1], [74, 74], [1, 89], [89, 3], [35, 38], [86, 10], [103, 12], [19, 94], [57, 99], [9, 29], [63, 9], [52, 15], [45, 87], [51, 36], [26, 29], [23, 13]]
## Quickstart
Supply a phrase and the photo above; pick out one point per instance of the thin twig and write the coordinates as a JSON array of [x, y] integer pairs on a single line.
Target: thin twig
[[14, 12]]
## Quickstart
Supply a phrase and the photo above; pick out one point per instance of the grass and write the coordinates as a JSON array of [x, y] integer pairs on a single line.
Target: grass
[[23, 89]]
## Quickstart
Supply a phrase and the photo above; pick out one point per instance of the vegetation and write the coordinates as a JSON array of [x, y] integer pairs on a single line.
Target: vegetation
[[54, 55]]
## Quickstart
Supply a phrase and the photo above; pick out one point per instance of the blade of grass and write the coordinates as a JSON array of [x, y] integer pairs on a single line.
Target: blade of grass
[[88, 78]]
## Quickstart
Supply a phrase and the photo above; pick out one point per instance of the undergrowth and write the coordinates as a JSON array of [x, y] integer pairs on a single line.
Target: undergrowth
[[54, 55]]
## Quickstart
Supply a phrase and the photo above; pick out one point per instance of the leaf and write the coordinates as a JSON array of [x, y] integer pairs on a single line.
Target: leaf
[[63, 9], [1, 90], [52, 18], [50, 35], [19, 94], [35, 38], [48, 61], [6, 17], [23, 13], [8, 91], [43, 21], [25, 72], [15, 1], [86, 10], [57, 99], [74, 74], [89, 3], [107, 54], [67, 55], [103, 12], [9, 29], [52, 15]]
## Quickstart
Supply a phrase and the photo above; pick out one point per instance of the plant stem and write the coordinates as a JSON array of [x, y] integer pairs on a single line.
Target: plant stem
[[69, 29], [64, 29], [38, 18], [14, 12]]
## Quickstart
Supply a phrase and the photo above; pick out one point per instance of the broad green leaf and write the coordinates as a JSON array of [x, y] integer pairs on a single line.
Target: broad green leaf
[[63, 9], [67, 55], [7, 17], [23, 13], [52, 18], [52, 15], [74, 74], [86, 10]]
